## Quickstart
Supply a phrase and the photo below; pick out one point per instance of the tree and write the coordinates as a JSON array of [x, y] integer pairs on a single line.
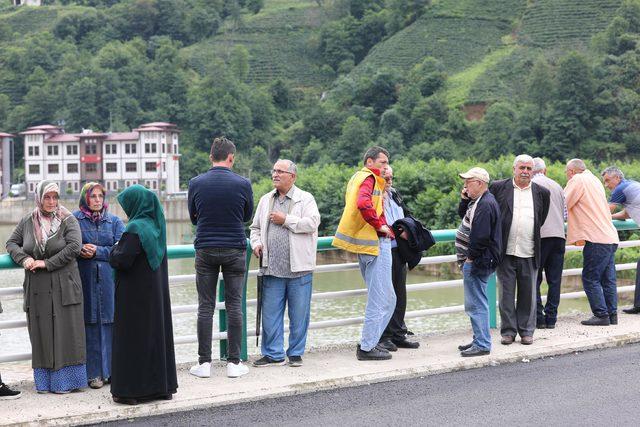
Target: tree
[[355, 137], [239, 62]]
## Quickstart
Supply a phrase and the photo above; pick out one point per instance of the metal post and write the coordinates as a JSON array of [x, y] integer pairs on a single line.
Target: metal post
[[222, 321], [491, 296]]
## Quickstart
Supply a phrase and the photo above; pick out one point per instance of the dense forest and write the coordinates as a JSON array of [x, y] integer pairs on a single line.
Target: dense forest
[[443, 84]]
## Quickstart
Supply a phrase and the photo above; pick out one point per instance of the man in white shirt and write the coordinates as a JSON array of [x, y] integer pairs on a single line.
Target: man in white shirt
[[524, 206]]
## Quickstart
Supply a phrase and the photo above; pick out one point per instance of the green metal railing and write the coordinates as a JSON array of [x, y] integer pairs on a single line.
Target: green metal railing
[[324, 244]]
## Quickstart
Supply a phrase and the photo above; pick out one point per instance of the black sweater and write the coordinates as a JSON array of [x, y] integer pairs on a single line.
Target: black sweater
[[220, 203], [485, 239]]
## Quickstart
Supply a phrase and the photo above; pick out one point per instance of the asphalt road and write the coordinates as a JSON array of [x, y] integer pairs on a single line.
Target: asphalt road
[[594, 388]]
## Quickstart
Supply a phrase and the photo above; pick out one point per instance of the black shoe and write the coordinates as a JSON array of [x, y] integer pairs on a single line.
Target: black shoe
[[125, 401], [388, 345], [405, 343], [462, 347], [632, 310], [613, 319], [597, 321], [267, 361], [541, 326], [551, 325], [295, 361], [474, 351], [7, 394], [410, 333], [376, 353]]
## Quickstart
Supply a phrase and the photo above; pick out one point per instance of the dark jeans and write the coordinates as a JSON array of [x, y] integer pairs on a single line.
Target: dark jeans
[[517, 277], [551, 261], [397, 329], [599, 278], [209, 261], [636, 298]]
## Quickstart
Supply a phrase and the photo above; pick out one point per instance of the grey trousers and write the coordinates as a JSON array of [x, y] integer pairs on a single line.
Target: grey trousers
[[517, 278]]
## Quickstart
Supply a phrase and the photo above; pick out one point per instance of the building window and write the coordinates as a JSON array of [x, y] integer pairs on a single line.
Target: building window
[[164, 166], [72, 150], [164, 148], [34, 151], [31, 186], [112, 167], [91, 149], [34, 169], [150, 167], [53, 168], [130, 167], [91, 167], [150, 148], [130, 148], [52, 150], [72, 168], [70, 186], [110, 149], [76, 187]]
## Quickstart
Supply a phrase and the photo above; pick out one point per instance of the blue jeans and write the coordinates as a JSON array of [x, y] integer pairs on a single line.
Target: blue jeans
[[599, 278], [296, 294], [381, 299], [476, 305]]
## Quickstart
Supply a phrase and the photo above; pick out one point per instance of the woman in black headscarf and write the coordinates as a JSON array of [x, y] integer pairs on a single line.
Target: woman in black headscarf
[[143, 359]]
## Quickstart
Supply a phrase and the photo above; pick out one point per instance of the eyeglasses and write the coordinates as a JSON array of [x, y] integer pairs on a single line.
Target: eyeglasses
[[280, 172]]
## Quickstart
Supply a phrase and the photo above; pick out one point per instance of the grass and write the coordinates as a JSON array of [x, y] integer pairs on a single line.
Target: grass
[[25, 20], [460, 85]]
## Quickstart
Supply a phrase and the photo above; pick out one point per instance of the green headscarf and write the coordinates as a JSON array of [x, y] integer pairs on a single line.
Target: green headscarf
[[146, 219]]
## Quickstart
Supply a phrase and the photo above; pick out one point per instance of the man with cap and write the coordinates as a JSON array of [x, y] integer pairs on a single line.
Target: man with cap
[[478, 248], [524, 206]]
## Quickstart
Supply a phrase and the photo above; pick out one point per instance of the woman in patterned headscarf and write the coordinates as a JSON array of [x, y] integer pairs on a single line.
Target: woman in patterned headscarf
[[100, 231], [46, 243]]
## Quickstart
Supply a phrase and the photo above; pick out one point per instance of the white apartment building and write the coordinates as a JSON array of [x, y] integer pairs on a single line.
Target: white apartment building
[[5, 162], [148, 155]]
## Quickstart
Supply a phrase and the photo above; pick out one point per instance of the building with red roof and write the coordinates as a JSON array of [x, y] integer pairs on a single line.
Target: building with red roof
[[148, 155]]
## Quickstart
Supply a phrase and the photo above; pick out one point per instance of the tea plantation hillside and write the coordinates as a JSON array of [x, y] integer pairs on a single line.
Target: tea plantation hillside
[[278, 40], [565, 23]]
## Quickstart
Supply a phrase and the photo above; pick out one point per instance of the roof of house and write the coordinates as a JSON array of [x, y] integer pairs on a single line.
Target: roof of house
[[63, 137], [6, 135], [122, 136]]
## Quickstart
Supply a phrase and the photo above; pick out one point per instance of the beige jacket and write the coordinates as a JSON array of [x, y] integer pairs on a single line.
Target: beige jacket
[[302, 221]]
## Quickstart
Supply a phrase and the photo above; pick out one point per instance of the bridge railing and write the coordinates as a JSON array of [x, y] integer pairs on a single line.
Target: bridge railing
[[324, 244]]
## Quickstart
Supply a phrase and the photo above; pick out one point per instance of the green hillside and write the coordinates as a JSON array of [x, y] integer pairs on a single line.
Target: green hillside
[[458, 33], [565, 23], [25, 20], [278, 41]]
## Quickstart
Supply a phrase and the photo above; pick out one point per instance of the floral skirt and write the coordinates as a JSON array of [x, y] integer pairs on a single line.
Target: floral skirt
[[64, 379]]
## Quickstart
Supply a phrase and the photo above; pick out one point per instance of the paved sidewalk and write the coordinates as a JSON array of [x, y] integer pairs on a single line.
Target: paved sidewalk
[[324, 368]]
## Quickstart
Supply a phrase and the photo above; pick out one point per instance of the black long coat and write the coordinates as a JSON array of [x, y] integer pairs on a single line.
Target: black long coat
[[143, 359]]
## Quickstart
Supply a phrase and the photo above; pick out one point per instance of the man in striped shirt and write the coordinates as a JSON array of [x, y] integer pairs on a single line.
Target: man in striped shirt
[[478, 248]]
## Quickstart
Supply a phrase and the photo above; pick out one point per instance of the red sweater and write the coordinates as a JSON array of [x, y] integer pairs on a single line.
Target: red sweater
[[365, 205]]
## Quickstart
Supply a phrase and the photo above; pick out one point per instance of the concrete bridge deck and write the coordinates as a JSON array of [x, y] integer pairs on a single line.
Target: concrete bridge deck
[[324, 368]]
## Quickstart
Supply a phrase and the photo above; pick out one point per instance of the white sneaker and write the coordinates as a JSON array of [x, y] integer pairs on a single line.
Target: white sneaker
[[202, 370], [235, 371]]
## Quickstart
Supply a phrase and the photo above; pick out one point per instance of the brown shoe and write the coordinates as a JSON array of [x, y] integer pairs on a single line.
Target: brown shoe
[[526, 340], [507, 339]]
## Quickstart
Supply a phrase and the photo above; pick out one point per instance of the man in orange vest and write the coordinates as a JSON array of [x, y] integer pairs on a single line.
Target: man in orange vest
[[363, 230]]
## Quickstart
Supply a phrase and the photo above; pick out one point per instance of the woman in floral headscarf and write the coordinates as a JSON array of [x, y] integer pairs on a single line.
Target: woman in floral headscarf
[[46, 243], [100, 231]]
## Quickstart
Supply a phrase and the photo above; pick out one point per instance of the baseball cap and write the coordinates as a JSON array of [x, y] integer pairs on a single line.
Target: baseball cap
[[476, 173]]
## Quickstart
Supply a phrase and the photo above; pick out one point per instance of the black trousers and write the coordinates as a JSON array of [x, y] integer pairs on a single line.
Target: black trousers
[[551, 261], [636, 298], [397, 329]]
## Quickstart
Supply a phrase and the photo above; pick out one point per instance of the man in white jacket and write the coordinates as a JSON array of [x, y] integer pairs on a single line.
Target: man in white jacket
[[285, 233]]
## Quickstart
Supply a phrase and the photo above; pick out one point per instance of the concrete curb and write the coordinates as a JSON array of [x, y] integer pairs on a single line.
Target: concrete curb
[[121, 413]]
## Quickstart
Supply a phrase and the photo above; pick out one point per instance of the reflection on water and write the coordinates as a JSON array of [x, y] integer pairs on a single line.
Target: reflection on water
[[17, 340]]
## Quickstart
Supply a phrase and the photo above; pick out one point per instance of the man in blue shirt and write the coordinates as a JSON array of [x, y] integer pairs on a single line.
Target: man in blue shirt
[[625, 193], [220, 203]]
